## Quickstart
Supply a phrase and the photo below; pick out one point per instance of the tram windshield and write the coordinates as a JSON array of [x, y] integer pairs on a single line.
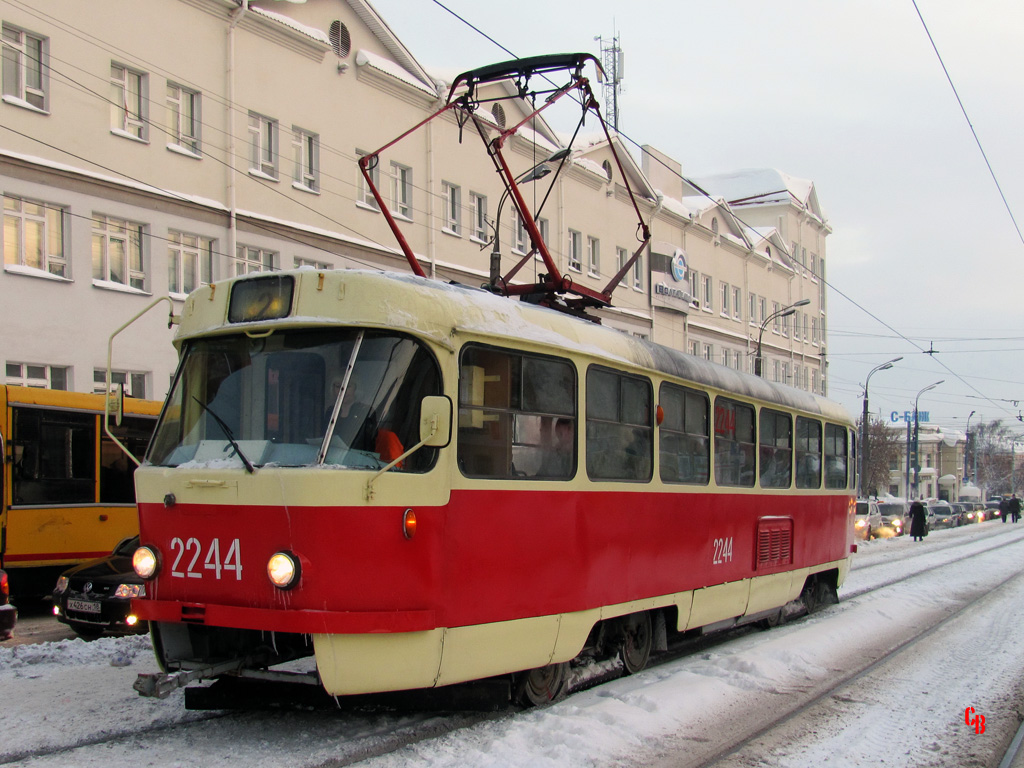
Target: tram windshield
[[298, 398]]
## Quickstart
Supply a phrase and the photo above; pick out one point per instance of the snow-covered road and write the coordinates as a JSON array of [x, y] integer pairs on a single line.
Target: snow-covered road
[[71, 703]]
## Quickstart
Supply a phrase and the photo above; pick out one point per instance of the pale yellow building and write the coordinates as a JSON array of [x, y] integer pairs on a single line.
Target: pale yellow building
[[136, 165]]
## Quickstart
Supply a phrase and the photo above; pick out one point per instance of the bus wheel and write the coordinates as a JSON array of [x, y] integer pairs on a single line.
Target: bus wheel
[[637, 639], [540, 686]]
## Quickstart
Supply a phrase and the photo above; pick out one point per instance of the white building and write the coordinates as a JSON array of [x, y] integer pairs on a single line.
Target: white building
[[224, 140]]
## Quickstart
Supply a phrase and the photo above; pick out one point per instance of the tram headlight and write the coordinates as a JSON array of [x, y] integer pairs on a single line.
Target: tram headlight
[[145, 562], [283, 570]]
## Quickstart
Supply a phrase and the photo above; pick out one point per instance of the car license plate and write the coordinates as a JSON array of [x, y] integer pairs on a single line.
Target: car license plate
[[84, 606]]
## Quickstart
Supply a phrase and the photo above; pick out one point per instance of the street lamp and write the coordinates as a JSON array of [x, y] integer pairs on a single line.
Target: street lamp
[[539, 171], [783, 312], [917, 460], [864, 425], [967, 444]]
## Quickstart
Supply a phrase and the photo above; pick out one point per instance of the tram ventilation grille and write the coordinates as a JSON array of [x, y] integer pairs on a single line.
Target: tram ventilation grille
[[774, 543]]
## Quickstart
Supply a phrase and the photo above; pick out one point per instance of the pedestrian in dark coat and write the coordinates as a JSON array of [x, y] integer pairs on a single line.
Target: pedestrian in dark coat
[[1014, 506], [917, 521], [1004, 508]]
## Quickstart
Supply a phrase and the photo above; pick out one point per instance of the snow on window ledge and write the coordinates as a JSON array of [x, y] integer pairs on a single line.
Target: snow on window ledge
[[16, 102], [180, 150], [126, 135], [305, 188], [21, 269], [110, 285], [261, 175]]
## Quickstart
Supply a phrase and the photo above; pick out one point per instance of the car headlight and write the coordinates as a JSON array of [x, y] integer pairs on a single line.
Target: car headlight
[[860, 523], [283, 570], [145, 562], [62, 585], [130, 590]]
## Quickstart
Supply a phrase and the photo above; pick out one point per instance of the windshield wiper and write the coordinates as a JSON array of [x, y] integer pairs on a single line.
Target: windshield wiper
[[227, 433]]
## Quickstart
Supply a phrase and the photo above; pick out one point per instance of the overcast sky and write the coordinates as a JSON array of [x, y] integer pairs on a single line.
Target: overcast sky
[[852, 96]]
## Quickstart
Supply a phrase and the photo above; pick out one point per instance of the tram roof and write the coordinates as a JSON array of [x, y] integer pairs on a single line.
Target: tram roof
[[451, 313]]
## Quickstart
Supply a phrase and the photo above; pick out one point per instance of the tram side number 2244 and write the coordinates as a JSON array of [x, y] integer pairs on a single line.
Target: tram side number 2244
[[722, 551]]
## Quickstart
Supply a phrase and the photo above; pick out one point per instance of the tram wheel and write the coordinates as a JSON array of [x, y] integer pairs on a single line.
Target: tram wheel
[[637, 640], [540, 686]]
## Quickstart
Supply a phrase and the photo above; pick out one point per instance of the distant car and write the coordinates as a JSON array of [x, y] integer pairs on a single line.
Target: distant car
[[959, 513], [941, 516], [8, 613], [894, 516], [973, 512], [991, 510], [95, 597], [869, 520]]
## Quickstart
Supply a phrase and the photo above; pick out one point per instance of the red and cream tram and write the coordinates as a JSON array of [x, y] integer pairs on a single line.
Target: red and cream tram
[[422, 484], [417, 484]]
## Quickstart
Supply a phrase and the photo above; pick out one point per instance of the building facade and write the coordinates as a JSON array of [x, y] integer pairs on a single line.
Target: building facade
[[135, 167]]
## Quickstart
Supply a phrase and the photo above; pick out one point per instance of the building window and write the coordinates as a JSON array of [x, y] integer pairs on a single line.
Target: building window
[[542, 227], [306, 156], [263, 146], [737, 303], [479, 205], [38, 376], [401, 191], [183, 118], [189, 262], [248, 260], [762, 305], [34, 236], [520, 237], [593, 256], [708, 294], [366, 197], [752, 308], [777, 322], [117, 255], [25, 65], [575, 251], [128, 102], [709, 352], [134, 384], [726, 293], [814, 330], [452, 208], [695, 348], [321, 265], [694, 283], [621, 257], [638, 273]]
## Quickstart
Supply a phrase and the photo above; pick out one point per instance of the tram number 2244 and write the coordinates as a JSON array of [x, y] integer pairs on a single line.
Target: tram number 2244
[[189, 554], [722, 551]]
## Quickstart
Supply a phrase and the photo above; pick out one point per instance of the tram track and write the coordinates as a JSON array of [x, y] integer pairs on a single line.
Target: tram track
[[370, 735]]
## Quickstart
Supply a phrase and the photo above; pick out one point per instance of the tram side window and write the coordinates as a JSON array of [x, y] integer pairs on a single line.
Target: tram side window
[[808, 453], [620, 434], [54, 455], [734, 443], [517, 416], [684, 439], [836, 465], [853, 459], [117, 471], [776, 449]]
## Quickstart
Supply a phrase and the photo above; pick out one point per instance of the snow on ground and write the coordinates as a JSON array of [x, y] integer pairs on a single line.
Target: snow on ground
[[72, 692]]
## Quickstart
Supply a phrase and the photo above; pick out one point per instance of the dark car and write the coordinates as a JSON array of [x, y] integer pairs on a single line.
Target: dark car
[[96, 597], [941, 515], [8, 613]]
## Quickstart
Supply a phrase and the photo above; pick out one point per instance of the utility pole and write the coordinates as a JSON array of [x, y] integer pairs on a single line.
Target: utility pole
[[611, 60]]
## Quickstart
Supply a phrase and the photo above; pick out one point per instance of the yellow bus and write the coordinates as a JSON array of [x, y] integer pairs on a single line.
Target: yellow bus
[[67, 489]]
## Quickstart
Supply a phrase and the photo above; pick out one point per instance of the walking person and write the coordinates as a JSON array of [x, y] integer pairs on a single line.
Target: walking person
[[1004, 508], [1014, 507], [917, 521]]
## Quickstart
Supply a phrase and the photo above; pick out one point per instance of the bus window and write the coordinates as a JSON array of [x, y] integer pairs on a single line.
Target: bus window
[[620, 441], [835, 456], [54, 456], [517, 416], [734, 443], [808, 453], [684, 438], [776, 449]]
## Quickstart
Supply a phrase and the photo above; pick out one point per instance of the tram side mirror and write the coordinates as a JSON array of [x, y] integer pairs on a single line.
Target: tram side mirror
[[115, 403], [436, 421]]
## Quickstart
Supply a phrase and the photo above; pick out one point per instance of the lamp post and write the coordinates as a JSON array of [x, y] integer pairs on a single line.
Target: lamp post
[[967, 445], [783, 312], [539, 171], [917, 459], [864, 441]]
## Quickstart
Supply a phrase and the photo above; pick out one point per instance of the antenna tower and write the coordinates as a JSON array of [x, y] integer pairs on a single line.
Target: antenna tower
[[612, 60]]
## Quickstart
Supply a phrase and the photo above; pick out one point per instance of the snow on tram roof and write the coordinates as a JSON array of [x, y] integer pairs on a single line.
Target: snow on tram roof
[[439, 310]]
